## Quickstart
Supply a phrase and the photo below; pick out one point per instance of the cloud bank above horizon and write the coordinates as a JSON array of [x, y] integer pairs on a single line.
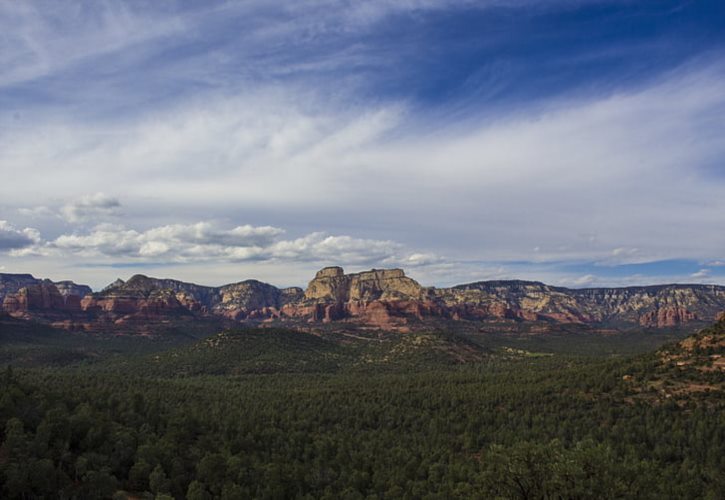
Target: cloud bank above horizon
[[579, 143]]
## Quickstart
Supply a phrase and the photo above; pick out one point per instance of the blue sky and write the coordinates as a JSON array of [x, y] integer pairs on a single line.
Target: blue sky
[[578, 143]]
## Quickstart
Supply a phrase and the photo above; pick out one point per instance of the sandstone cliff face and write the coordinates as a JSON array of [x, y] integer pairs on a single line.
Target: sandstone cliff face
[[666, 316], [233, 300], [12, 283], [377, 298], [69, 289], [654, 306], [36, 297], [524, 300], [383, 298], [142, 298], [23, 296], [657, 306], [141, 286], [252, 297], [331, 284]]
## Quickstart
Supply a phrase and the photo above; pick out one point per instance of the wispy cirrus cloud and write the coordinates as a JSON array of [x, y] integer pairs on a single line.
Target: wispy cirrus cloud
[[553, 182], [565, 174], [379, 133], [43, 38]]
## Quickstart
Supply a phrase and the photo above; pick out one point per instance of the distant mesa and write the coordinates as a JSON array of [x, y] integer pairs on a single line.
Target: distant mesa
[[379, 298], [331, 284]]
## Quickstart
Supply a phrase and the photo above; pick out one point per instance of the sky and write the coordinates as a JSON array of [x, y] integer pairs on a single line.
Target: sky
[[576, 142]]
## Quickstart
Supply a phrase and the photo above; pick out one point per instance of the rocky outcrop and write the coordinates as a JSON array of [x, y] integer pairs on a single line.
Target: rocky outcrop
[[70, 289], [36, 297], [141, 286], [240, 300], [666, 316], [23, 296], [377, 298], [12, 283], [694, 364], [522, 300], [143, 304], [331, 284], [382, 298], [653, 306], [236, 300]]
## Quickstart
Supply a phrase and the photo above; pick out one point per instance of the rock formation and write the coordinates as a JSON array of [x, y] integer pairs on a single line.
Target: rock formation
[[378, 298], [331, 284], [23, 296], [382, 298]]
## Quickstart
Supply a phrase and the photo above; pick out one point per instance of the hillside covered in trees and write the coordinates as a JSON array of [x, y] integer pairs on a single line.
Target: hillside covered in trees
[[285, 414]]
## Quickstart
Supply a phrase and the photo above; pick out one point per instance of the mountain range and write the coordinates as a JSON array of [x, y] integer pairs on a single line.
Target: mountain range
[[379, 298]]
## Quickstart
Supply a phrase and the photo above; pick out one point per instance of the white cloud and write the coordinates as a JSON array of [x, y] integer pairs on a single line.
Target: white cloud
[[93, 207], [562, 180], [702, 273], [346, 249], [420, 259], [618, 252], [588, 279], [153, 249], [208, 242], [38, 212], [207, 233], [613, 177], [13, 239], [44, 38], [177, 242]]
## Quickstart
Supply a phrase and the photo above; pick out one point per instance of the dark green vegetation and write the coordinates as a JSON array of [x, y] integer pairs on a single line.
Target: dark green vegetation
[[281, 414], [27, 344]]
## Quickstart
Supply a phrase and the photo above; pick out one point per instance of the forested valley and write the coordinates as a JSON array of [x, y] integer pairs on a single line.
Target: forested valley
[[283, 414]]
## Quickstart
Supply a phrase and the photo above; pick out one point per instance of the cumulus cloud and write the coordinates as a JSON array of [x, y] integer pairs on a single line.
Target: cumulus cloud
[[178, 242], [420, 259], [208, 242], [91, 208], [12, 238]]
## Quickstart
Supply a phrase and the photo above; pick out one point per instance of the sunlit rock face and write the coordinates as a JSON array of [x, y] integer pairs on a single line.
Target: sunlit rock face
[[379, 298], [23, 296], [651, 306], [331, 284], [252, 298]]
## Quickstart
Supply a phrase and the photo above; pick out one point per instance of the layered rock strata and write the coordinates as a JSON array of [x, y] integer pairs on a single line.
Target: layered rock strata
[[384, 298]]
